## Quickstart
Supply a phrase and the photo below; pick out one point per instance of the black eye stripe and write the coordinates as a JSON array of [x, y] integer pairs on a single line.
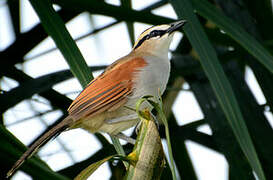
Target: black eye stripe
[[155, 33], [152, 34]]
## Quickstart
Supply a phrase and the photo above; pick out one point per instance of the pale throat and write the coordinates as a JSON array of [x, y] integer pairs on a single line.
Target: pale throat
[[159, 49]]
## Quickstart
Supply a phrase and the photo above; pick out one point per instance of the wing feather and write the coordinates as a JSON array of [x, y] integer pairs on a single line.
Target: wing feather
[[94, 105], [108, 91]]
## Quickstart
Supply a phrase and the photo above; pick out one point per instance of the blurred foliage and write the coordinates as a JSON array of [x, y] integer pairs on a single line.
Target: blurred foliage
[[222, 38]]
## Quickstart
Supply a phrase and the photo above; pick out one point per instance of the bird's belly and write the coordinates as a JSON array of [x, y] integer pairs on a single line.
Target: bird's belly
[[111, 122], [115, 128], [153, 79]]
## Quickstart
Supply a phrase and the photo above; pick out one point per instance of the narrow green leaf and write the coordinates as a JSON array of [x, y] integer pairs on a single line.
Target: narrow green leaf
[[119, 149], [218, 80], [257, 123], [73, 170], [97, 30], [183, 161], [34, 86], [241, 15], [204, 8], [55, 28], [222, 132], [130, 25], [100, 7], [11, 149], [56, 99], [255, 8], [92, 168]]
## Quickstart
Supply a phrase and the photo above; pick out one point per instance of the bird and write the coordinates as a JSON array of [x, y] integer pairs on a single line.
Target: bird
[[107, 103]]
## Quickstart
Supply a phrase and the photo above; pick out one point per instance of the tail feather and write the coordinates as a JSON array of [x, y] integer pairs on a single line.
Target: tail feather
[[56, 130]]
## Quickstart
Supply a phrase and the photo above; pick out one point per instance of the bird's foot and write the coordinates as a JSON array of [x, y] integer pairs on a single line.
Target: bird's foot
[[125, 138]]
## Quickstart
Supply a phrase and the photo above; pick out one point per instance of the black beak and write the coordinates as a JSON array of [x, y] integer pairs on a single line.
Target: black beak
[[176, 25]]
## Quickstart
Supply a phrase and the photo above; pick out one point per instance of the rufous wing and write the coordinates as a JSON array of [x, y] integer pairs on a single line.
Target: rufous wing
[[108, 91]]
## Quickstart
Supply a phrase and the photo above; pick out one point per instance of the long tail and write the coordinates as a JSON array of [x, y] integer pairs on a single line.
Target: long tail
[[56, 130]]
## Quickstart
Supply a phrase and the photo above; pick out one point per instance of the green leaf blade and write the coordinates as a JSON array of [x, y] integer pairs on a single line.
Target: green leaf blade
[[55, 27], [92, 168], [235, 31], [219, 81]]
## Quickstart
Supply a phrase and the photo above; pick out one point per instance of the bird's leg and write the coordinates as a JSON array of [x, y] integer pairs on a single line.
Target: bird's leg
[[122, 119], [132, 109], [125, 138]]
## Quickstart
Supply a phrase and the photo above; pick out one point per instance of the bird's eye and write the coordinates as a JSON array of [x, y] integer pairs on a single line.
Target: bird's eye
[[154, 33]]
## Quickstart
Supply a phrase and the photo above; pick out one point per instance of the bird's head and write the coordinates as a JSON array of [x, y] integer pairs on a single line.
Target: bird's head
[[157, 39]]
